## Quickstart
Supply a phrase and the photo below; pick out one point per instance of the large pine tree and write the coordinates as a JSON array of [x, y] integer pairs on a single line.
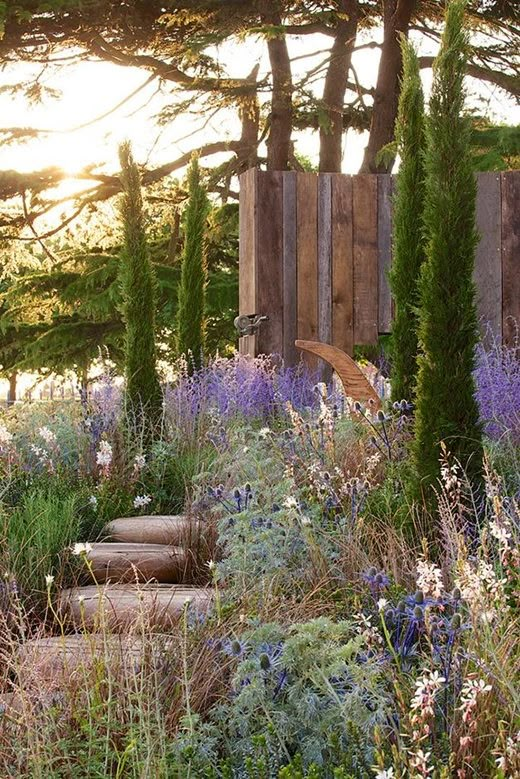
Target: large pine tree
[[138, 292], [408, 240], [191, 325], [446, 406]]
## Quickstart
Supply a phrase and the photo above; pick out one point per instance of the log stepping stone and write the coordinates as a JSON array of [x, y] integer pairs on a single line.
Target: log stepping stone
[[121, 606], [164, 529], [49, 656], [133, 562]]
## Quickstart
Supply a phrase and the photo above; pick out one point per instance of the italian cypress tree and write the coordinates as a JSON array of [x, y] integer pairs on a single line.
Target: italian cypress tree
[[408, 241], [192, 289], [446, 405], [138, 299]]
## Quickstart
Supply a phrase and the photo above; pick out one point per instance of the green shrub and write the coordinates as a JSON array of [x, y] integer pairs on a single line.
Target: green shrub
[[447, 410], [192, 289], [408, 242], [138, 288], [37, 533]]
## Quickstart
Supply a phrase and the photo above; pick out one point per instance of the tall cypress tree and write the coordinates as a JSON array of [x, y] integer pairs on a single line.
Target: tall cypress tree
[[408, 241], [446, 405], [138, 292], [192, 289]]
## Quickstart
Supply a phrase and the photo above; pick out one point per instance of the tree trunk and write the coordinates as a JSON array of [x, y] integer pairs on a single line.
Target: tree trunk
[[396, 21], [279, 140], [249, 112], [331, 136], [11, 398]]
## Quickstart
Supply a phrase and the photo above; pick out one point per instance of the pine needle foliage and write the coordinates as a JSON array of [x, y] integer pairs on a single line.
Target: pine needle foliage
[[191, 324], [447, 410], [138, 295], [408, 240]]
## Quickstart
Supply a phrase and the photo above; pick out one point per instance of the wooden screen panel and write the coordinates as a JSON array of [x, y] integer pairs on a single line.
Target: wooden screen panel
[[269, 253], [510, 256], [247, 255], [324, 269], [364, 216], [488, 258], [290, 333], [342, 265], [384, 251], [307, 259]]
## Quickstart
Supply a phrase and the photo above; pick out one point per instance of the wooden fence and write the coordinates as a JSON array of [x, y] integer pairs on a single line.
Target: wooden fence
[[315, 250]]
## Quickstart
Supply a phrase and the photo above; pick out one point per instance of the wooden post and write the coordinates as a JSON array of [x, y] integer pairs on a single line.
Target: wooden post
[[511, 257]]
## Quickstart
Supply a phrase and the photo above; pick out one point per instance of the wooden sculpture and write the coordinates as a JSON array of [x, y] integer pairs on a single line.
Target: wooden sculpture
[[355, 383]]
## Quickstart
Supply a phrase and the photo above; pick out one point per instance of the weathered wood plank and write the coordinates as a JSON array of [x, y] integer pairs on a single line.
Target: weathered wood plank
[[269, 253], [342, 265], [290, 331], [384, 250], [488, 260], [510, 256], [307, 260], [364, 215], [324, 268], [247, 254]]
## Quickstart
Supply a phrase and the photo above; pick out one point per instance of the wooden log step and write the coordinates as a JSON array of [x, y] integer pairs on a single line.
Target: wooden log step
[[54, 654], [137, 562], [151, 529], [121, 606]]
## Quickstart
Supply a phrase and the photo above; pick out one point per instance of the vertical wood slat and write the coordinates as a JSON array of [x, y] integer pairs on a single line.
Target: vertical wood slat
[[342, 265], [364, 216], [488, 260], [290, 353], [269, 253], [384, 250], [247, 255], [307, 259], [324, 268], [510, 256]]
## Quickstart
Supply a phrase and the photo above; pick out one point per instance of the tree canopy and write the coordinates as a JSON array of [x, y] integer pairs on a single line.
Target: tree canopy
[[176, 43]]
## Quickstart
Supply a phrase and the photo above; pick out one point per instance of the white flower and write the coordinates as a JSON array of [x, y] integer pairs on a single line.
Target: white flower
[[104, 454], [48, 436], [500, 532], [49, 580], [93, 502], [382, 603], [290, 503], [141, 501], [306, 521], [5, 436], [139, 462], [81, 549], [81, 599], [429, 578], [211, 565], [388, 773], [264, 432]]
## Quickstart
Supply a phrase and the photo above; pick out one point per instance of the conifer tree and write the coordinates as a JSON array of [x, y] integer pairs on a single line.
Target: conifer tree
[[192, 289], [408, 242], [446, 406], [138, 293]]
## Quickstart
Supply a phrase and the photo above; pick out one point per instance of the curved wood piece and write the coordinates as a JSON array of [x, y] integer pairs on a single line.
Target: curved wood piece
[[355, 383]]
